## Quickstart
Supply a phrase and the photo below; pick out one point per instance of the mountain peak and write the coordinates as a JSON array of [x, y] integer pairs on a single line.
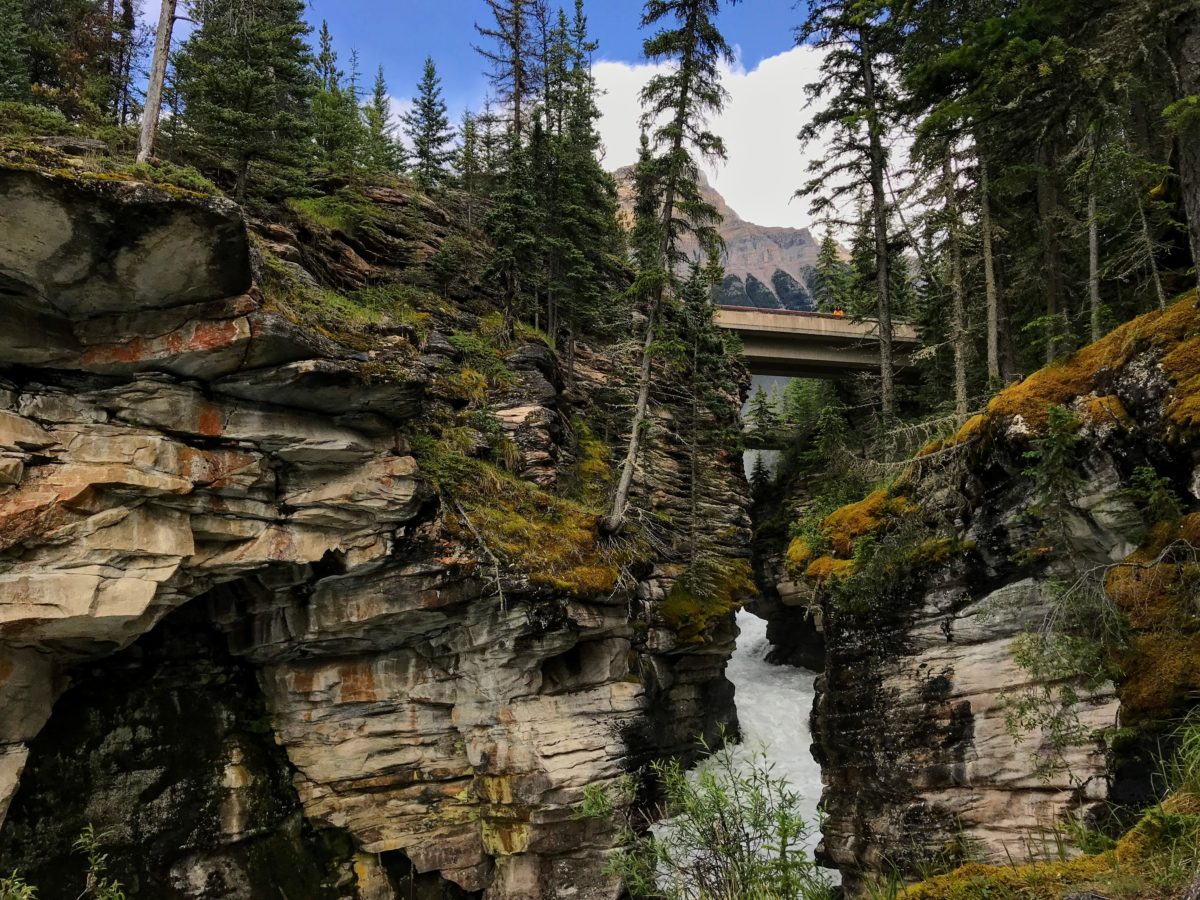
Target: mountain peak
[[765, 266]]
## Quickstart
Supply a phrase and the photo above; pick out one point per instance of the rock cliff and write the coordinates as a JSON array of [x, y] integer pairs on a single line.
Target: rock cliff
[[299, 582], [944, 737]]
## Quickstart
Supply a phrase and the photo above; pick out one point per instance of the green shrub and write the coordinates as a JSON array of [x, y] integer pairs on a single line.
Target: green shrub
[[28, 120], [732, 829]]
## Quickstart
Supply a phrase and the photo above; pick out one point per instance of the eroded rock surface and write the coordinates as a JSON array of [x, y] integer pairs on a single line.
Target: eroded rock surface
[[171, 444]]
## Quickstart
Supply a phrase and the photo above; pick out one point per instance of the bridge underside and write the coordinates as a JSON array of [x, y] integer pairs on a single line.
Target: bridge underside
[[790, 359], [812, 345]]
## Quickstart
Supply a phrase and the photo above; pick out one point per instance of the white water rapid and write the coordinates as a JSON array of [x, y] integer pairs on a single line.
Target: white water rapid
[[773, 705]]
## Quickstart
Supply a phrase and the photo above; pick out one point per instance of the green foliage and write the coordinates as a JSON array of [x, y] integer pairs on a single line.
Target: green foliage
[[14, 887], [246, 80], [1054, 461], [428, 128], [163, 173], [382, 152], [14, 63], [336, 119], [19, 119], [1155, 496], [733, 829], [99, 886], [762, 414], [451, 264]]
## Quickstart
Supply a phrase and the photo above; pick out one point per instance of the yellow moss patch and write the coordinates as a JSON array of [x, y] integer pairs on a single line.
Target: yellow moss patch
[[798, 554], [824, 568], [845, 526], [1037, 881], [1105, 410], [690, 608], [1075, 376], [1149, 850], [549, 539], [1162, 670]]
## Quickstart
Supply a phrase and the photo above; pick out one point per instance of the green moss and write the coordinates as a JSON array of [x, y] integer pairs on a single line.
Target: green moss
[[344, 211], [698, 599], [549, 539], [1155, 859]]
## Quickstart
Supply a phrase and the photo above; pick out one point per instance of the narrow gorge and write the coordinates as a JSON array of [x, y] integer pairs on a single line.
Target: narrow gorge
[[302, 591]]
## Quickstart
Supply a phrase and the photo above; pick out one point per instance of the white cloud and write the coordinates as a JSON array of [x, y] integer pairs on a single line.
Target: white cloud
[[765, 112]]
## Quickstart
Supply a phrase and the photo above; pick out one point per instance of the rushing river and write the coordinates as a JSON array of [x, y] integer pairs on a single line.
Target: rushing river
[[773, 704]]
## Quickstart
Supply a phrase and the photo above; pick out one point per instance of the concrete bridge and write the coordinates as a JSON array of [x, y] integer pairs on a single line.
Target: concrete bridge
[[813, 345]]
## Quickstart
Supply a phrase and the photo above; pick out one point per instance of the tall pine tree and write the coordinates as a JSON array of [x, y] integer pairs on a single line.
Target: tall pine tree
[[428, 128], [337, 125], [246, 79], [678, 105], [854, 35], [381, 151]]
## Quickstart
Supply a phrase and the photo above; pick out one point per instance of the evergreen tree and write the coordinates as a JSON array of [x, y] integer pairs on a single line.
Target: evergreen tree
[[678, 104], [833, 278], [579, 232], [760, 478], [428, 128], [381, 151], [762, 414], [247, 83], [70, 54], [509, 225], [337, 125], [14, 64], [858, 110], [510, 55], [468, 164]]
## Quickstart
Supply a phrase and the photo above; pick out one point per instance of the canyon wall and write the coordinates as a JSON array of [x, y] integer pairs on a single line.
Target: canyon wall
[[942, 738], [250, 630]]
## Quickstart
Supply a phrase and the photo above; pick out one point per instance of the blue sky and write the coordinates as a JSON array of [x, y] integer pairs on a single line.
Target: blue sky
[[400, 33]]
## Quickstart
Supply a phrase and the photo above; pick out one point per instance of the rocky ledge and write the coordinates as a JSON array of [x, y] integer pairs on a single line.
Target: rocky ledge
[[247, 631]]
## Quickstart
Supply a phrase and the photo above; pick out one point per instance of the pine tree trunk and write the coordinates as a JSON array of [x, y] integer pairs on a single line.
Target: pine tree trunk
[[958, 323], [614, 522], [243, 175], [879, 221], [158, 74], [1184, 34], [1148, 249], [1047, 201], [1093, 266], [989, 277]]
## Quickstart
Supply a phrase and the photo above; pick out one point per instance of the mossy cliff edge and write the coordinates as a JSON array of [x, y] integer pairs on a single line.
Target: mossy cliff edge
[[1010, 625], [291, 470]]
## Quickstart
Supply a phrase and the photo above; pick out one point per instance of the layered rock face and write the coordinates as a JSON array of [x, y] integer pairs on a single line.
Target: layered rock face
[[940, 741], [178, 453]]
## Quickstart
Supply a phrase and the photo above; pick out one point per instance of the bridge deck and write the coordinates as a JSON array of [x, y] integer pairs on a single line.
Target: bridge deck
[[813, 345]]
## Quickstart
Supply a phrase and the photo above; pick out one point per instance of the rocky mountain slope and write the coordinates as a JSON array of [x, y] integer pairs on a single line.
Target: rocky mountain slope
[[1010, 628], [766, 267], [300, 587]]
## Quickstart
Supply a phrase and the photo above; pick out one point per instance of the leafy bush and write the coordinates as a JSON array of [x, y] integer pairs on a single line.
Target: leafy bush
[[732, 829]]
